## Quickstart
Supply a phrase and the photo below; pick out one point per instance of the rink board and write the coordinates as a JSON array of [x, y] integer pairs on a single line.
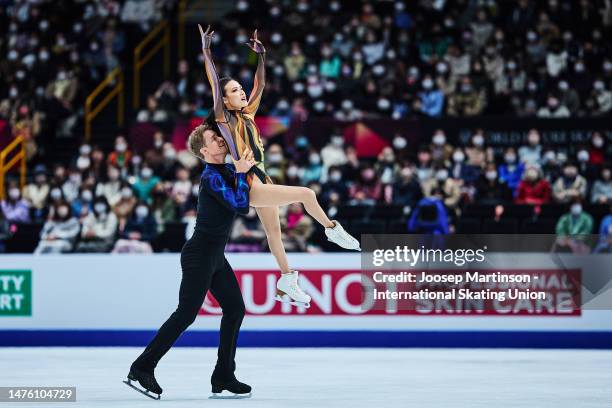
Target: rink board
[[120, 300]]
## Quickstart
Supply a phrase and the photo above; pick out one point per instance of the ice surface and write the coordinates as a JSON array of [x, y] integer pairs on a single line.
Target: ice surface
[[292, 378]]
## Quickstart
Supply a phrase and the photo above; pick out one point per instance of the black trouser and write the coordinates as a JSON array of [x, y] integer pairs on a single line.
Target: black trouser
[[204, 267]]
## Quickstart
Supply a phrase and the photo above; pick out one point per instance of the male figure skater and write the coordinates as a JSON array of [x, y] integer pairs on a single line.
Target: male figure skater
[[223, 193]]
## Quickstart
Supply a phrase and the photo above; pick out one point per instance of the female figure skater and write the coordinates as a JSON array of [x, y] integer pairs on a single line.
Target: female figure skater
[[235, 117]]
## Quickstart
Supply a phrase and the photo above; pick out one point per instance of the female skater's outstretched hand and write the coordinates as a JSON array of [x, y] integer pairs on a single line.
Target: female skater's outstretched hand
[[206, 36], [255, 44], [246, 161]]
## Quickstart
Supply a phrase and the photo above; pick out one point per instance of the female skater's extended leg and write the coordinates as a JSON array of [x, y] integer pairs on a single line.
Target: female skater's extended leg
[[271, 222], [274, 195]]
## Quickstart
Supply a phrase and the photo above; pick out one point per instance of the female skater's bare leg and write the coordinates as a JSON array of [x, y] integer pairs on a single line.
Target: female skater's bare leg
[[275, 195], [271, 223]]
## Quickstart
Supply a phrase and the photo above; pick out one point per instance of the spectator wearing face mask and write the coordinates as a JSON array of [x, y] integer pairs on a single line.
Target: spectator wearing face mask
[[448, 186], [334, 185], [59, 232], [83, 161], [602, 98], [72, 185], [569, 97], [573, 229], [553, 109], [511, 172], [441, 151], [83, 204], [597, 150], [476, 153], [292, 175], [407, 189], [275, 162], [467, 101], [111, 188], [124, 207], [145, 184], [533, 189], [551, 169], [99, 228], [121, 156], [314, 170], [332, 154], [601, 192], [169, 165], [489, 190], [585, 167], [367, 190], [248, 234], [386, 166], [36, 193], [14, 207], [163, 207], [460, 170], [424, 167], [139, 231], [432, 99], [570, 185], [296, 228], [532, 152]]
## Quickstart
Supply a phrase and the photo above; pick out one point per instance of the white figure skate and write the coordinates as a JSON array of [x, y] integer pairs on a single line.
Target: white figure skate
[[288, 290], [340, 237]]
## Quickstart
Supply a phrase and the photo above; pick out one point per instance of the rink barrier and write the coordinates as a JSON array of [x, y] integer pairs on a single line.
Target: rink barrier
[[344, 338]]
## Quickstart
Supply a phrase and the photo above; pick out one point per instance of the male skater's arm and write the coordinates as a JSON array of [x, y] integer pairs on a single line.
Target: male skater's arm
[[213, 79], [260, 76]]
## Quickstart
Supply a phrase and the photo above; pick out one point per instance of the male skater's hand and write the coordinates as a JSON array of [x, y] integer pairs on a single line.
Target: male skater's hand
[[255, 44], [246, 161], [206, 36]]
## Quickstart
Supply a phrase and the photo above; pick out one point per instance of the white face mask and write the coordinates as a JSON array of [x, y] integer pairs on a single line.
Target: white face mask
[[576, 209], [399, 142], [146, 173], [478, 140], [335, 176], [439, 139], [127, 193], [142, 212], [442, 175], [459, 157], [337, 141], [120, 147], [315, 159], [583, 156], [100, 208], [62, 212], [491, 175], [14, 193], [55, 194], [86, 195]]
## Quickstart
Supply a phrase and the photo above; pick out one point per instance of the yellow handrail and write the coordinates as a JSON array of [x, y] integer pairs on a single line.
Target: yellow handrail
[[5, 167], [139, 61], [116, 78]]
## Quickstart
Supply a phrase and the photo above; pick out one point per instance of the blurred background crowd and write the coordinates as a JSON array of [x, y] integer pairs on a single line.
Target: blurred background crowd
[[134, 190]]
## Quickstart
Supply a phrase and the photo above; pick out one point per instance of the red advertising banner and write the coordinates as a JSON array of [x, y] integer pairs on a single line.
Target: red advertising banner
[[350, 292]]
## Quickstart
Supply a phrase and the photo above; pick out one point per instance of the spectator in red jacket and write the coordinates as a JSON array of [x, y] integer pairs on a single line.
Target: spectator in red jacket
[[533, 189]]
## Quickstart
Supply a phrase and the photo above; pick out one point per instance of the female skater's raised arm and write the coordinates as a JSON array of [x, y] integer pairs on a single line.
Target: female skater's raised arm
[[211, 74], [213, 79], [260, 75]]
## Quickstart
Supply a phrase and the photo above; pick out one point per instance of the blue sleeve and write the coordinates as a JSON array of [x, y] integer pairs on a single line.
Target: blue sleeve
[[234, 198]]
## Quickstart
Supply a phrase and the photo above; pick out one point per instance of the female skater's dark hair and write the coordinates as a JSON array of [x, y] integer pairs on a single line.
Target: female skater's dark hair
[[223, 81]]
